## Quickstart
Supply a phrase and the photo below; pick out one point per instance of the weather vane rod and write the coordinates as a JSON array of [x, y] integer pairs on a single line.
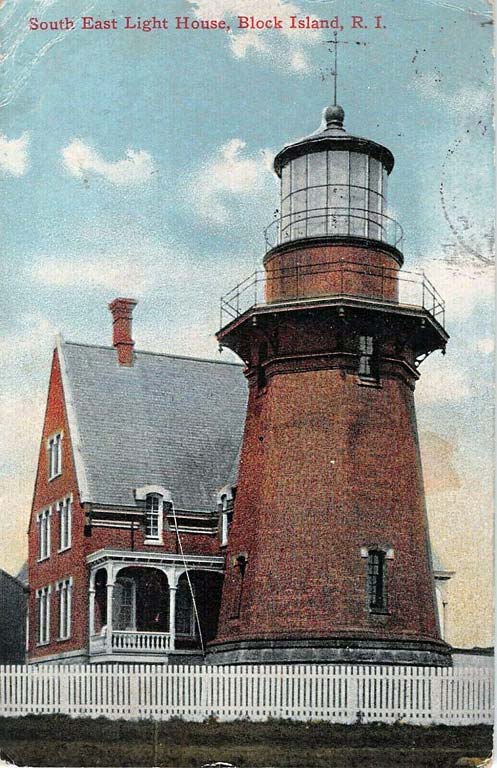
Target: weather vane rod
[[335, 43]]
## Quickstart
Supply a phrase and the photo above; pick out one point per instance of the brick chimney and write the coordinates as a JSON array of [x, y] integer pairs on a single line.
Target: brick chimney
[[122, 312]]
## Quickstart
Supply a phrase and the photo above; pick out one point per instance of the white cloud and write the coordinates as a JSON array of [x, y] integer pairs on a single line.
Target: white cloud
[[81, 160], [113, 272], [285, 48], [443, 383], [230, 174], [466, 101], [14, 154], [485, 346], [464, 287]]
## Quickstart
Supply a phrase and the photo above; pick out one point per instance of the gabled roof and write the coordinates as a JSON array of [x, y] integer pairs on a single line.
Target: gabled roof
[[167, 420]]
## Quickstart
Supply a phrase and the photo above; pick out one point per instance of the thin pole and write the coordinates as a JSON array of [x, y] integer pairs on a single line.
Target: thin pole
[[335, 34]]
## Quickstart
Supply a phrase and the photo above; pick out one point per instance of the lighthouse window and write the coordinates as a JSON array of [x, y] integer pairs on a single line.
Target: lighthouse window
[[376, 580], [367, 367]]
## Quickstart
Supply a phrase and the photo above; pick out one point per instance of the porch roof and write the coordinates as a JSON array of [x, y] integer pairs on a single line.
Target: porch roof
[[167, 420], [137, 558]]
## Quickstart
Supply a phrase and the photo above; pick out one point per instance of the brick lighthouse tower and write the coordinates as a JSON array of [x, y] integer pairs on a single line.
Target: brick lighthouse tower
[[328, 554]]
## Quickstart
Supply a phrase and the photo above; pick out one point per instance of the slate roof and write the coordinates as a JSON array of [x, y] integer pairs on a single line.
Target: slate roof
[[167, 420]]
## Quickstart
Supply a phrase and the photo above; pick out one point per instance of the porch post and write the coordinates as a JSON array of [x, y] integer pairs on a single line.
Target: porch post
[[173, 586], [91, 599], [110, 594]]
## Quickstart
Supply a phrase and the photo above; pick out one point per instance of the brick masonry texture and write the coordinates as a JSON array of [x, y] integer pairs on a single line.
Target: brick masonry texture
[[329, 465]]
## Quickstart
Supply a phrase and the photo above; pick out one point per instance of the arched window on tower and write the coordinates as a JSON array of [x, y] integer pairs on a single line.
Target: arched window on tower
[[377, 595], [368, 363]]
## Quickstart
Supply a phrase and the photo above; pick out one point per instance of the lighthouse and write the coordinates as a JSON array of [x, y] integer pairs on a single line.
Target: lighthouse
[[327, 553]]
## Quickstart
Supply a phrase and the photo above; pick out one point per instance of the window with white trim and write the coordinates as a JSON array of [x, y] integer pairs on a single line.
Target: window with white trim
[[43, 522], [43, 614], [153, 519], [54, 445], [64, 589], [64, 510], [226, 515]]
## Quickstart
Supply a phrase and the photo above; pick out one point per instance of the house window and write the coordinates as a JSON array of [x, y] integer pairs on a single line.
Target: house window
[[64, 509], [43, 600], [185, 612], [64, 589], [43, 521], [124, 604], [153, 519], [367, 363], [55, 456], [376, 580], [226, 515]]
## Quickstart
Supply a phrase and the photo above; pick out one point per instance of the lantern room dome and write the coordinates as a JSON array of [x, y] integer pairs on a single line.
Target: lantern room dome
[[333, 136]]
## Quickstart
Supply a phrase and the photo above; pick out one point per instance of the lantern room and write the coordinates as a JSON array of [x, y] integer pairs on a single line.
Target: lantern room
[[334, 184]]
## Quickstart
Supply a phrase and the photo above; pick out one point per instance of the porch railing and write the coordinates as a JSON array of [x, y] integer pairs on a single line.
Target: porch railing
[[128, 641], [140, 641]]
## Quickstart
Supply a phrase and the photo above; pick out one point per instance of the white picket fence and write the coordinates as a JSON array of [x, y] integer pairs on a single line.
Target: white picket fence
[[339, 694]]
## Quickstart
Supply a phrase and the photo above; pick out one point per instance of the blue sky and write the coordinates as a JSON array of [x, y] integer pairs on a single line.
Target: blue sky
[[139, 164]]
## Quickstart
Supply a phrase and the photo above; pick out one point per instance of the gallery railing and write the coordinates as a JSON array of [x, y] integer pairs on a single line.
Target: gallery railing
[[330, 279], [334, 221]]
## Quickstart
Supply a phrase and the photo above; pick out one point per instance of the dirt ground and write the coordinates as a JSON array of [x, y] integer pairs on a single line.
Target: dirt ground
[[62, 741]]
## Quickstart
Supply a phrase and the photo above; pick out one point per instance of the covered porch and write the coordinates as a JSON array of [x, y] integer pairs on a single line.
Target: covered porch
[[148, 606]]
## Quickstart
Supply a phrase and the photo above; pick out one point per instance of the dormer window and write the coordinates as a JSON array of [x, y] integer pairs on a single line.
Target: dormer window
[[54, 446], [225, 502], [157, 500], [153, 519]]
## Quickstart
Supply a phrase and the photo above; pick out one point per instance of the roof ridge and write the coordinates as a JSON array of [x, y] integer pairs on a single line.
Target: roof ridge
[[156, 354]]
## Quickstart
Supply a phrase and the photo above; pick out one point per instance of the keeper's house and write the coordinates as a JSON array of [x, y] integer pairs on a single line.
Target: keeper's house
[[137, 464]]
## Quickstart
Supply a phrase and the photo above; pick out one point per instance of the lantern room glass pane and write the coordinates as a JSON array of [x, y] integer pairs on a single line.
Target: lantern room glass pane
[[285, 181], [338, 168], [375, 220], [317, 171], [317, 194], [358, 193], [374, 182], [299, 173], [358, 169], [299, 214], [338, 193]]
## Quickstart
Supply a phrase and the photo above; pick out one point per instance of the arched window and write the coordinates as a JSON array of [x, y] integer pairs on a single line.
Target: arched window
[[153, 518], [157, 500]]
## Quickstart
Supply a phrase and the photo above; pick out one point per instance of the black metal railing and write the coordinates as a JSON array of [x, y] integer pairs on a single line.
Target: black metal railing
[[329, 279], [334, 221]]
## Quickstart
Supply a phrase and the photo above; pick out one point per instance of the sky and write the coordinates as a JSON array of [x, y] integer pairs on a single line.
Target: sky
[[139, 163]]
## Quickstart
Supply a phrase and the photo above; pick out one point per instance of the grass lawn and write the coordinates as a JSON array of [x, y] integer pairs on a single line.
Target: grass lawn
[[56, 740]]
